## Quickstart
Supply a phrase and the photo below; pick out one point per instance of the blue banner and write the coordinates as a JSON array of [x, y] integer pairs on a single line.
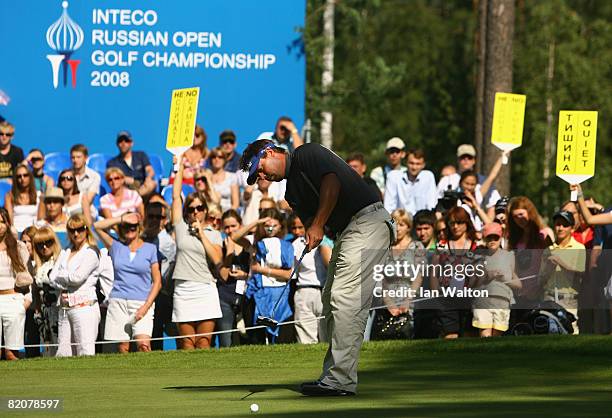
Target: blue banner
[[81, 71]]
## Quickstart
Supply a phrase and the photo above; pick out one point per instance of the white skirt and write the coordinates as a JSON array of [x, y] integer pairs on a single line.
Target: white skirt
[[195, 301]]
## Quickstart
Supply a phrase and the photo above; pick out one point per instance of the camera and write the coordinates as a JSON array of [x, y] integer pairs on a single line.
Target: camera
[[449, 199], [193, 231], [502, 205], [269, 229]]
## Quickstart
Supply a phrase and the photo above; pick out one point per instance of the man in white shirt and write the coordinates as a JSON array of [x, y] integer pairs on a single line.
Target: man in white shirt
[[87, 179], [395, 154], [413, 190]]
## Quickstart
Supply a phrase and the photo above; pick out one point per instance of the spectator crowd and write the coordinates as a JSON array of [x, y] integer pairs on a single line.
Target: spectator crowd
[[99, 249]]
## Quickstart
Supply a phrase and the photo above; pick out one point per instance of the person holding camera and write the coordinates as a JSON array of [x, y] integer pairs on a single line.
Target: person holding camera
[[46, 250], [233, 272], [198, 255], [286, 135]]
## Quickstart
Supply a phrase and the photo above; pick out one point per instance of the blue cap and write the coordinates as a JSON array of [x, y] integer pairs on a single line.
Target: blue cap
[[254, 164], [124, 134]]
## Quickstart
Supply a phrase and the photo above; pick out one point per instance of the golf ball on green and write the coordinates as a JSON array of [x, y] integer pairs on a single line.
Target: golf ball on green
[[254, 407]]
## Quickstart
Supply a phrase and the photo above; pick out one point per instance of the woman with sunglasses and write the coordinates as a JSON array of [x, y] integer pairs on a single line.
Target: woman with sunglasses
[[14, 281], [198, 255], [453, 255], [46, 251], [202, 183], [120, 200], [194, 158], [36, 160], [224, 182], [22, 201], [75, 274], [137, 282], [76, 201]]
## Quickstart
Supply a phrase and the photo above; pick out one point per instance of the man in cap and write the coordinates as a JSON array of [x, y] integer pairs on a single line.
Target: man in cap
[[329, 195], [564, 264], [135, 165], [395, 154], [227, 143]]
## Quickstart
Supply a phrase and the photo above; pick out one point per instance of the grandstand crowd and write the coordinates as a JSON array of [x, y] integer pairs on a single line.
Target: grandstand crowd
[[108, 254]]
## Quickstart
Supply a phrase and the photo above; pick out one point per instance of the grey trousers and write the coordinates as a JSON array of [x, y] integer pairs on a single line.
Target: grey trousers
[[347, 294]]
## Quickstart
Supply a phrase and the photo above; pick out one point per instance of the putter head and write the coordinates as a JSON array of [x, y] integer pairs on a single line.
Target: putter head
[[267, 321]]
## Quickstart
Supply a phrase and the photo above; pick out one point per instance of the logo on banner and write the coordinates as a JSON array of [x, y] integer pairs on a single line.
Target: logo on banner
[[65, 37]]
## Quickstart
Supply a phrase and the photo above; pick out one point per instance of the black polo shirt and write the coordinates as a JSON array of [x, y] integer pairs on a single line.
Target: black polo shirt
[[314, 161]]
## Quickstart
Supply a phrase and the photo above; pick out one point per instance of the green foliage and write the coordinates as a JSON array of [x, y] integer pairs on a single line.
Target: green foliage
[[407, 68]]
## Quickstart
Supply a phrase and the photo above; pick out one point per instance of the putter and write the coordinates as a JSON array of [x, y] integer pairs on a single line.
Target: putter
[[269, 321]]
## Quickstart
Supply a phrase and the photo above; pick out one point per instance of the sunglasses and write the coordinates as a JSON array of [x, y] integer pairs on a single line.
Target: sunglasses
[[77, 230], [22, 176], [7, 134], [466, 157], [218, 156], [492, 238], [228, 141], [123, 139], [36, 159], [393, 151], [66, 178], [114, 179], [44, 244], [129, 227], [213, 219], [53, 201], [201, 179], [193, 209]]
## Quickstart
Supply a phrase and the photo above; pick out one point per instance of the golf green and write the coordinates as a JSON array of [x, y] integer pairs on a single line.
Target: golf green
[[557, 376]]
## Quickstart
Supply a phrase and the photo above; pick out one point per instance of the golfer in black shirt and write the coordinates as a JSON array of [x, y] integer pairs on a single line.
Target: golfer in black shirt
[[331, 198]]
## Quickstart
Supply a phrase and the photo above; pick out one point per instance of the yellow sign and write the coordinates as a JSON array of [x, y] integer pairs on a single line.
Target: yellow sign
[[181, 126], [576, 142], [508, 118]]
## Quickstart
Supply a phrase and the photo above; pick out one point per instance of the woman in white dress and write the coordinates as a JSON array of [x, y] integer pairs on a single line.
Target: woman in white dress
[[22, 201], [198, 253], [75, 274], [13, 277]]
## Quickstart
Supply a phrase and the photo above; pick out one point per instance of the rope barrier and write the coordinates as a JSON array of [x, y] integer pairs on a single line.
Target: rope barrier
[[308, 320]]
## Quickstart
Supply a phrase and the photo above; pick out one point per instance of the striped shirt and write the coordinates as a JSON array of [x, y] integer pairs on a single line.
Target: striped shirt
[[129, 203]]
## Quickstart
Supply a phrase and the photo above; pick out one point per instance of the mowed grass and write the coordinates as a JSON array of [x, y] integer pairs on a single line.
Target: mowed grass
[[547, 376]]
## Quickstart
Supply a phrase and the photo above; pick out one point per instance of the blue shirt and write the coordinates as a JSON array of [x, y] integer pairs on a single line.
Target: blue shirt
[[132, 278], [138, 171]]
